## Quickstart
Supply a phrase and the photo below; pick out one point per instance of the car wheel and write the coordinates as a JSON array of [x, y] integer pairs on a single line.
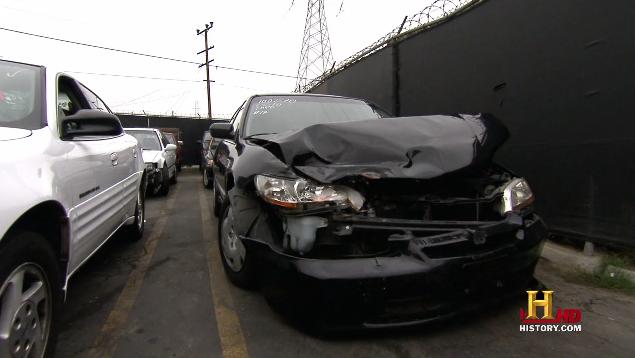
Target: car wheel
[[206, 182], [135, 231], [30, 296], [233, 253], [165, 181], [173, 179], [217, 203]]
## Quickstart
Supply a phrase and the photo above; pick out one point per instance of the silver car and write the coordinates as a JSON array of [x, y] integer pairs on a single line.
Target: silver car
[[71, 178]]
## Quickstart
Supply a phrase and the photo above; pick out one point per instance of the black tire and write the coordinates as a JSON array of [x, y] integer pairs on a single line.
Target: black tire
[[31, 253], [206, 182], [217, 203], [165, 181], [173, 179], [246, 276], [135, 231]]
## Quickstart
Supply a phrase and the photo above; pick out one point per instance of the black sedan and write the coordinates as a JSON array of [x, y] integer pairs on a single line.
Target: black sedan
[[353, 218]]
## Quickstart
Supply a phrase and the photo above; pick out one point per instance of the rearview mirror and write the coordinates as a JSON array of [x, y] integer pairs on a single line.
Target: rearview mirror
[[221, 130], [170, 147], [90, 122]]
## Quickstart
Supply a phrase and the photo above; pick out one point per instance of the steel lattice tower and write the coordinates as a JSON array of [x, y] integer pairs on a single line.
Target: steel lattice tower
[[316, 56]]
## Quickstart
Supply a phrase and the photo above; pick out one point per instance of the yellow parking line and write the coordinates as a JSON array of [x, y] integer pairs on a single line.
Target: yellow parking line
[[106, 343], [230, 333]]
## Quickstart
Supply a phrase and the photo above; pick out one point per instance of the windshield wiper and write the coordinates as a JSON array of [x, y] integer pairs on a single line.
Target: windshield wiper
[[257, 135]]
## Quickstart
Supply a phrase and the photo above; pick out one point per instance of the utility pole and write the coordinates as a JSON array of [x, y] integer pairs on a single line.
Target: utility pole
[[206, 64]]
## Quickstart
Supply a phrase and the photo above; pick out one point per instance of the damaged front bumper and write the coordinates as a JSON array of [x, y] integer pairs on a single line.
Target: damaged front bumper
[[153, 175], [428, 270]]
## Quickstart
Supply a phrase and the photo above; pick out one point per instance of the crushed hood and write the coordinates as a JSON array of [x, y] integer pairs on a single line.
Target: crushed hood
[[150, 156], [420, 147]]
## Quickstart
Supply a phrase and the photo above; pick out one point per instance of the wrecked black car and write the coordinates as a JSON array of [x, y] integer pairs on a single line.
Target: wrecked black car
[[357, 219]]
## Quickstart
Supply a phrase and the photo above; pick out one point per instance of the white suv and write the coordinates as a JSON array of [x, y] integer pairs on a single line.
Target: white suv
[[70, 177]]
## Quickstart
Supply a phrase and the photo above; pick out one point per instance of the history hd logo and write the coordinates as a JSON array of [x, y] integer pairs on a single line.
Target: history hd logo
[[565, 319]]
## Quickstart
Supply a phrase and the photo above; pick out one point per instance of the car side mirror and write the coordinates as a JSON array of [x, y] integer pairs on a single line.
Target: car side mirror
[[222, 130], [180, 142], [90, 122], [170, 147]]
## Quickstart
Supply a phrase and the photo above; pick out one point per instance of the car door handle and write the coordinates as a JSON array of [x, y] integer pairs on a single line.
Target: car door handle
[[114, 159]]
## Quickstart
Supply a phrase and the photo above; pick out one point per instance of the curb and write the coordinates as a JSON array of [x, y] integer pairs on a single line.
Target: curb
[[569, 257], [627, 274], [574, 259]]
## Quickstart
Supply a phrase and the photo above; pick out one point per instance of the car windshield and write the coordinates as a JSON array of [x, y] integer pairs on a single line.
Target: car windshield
[[275, 114], [170, 138], [148, 140], [20, 95]]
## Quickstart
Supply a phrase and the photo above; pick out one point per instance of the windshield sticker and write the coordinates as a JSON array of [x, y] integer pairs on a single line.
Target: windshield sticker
[[265, 105]]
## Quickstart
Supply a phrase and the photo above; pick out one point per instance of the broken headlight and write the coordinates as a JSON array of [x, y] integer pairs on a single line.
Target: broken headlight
[[516, 196], [295, 193]]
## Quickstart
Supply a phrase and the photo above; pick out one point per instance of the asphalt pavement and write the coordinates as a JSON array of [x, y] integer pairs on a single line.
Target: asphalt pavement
[[166, 296]]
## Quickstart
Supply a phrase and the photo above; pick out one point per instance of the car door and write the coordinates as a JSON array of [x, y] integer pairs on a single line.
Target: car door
[[170, 155], [90, 178], [223, 156], [123, 160]]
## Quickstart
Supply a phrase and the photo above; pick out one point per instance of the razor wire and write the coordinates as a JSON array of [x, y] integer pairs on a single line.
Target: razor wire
[[436, 11]]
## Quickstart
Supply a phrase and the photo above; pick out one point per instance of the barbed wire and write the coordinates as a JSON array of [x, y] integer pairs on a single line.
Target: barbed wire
[[436, 11]]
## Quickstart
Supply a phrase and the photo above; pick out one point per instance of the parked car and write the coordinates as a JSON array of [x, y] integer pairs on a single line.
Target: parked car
[[208, 174], [205, 142], [71, 177], [159, 156], [367, 220], [174, 137]]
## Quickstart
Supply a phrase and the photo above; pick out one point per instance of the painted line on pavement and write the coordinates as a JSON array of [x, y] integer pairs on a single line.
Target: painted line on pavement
[[232, 341]]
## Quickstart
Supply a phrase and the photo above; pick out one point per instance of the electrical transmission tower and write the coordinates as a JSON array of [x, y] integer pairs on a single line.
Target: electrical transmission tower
[[316, 56]]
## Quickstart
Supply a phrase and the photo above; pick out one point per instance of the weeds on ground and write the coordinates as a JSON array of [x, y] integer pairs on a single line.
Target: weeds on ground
[[606, 278]]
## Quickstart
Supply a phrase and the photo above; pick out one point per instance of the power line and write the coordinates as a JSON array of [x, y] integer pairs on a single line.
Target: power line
[[164, 79], [142, 54], [133, 76]]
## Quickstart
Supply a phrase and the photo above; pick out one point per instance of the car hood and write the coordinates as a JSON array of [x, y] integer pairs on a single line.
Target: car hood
[[7, 133], [420, 147], [150, 156]]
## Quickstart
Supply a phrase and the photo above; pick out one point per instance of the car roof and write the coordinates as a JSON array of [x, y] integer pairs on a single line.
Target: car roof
[[140, 129], [305, 95]]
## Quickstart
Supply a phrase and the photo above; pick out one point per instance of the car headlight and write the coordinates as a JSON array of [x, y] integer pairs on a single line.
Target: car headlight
[[295, 193], [516, 196]]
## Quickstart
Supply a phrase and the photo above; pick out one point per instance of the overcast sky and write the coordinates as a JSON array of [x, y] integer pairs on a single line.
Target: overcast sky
[[258, 35]]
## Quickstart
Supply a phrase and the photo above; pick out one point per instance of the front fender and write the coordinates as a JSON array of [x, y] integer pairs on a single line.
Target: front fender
[[161, 162]]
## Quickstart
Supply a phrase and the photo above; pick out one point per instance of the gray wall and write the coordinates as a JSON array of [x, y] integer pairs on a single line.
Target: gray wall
[[560, 74]]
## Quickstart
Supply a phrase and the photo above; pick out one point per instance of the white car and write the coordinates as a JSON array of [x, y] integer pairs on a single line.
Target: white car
[[159, 156], [70, 178]]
